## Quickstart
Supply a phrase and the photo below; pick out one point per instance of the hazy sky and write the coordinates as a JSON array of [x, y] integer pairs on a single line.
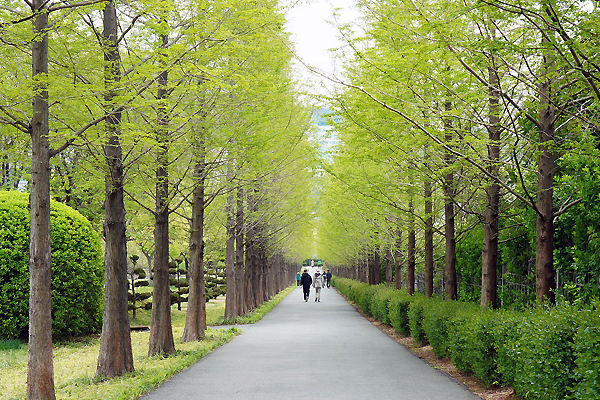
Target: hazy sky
[[314, 31]]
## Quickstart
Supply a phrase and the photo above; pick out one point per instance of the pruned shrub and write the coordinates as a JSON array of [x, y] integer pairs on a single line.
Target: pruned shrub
[[471, 342], [587, 352], [398, 311], [545, 357], [506, 336], [364, 295], [380, 304], [415, 318], [437, 314], [77, 270]]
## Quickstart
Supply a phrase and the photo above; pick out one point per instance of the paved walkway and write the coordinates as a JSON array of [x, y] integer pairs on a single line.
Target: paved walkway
[[322, 351]]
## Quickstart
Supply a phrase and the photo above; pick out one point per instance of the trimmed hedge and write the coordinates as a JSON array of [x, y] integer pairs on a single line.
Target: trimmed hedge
[[398, 307], [546, 354], [437, 318], [77, 270], [587, 347], [380, 305], [415, 319], [471, 342]]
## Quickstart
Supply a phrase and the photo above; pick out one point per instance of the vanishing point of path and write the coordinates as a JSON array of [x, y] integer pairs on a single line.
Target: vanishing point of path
[[307, 350]]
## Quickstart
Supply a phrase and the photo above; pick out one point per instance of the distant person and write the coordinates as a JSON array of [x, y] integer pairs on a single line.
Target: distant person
[[298, 277], [305, 281], [328, 279], [318, 284]]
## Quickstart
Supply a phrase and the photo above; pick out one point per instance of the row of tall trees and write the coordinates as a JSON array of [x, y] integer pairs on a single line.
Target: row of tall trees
[[180, 116], [462, 123]]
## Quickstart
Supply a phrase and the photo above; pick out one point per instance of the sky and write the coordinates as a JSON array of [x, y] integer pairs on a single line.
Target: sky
[[314, 31]]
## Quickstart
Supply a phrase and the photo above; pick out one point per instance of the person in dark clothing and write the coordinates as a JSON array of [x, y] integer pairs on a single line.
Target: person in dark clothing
[[305, 281], [328, 278]]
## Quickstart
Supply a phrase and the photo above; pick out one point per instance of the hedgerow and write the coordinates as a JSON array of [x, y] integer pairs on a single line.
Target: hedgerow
[[398, 311], [415, 319], [380, 304], [543, 353], [471, 343], [77, 270], [586, 346]]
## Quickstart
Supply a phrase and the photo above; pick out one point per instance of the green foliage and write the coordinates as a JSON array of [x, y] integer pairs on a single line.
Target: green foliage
[[12, 344], [577, 235], [587, 350], [399, 305], [545, 357], [506, 335], [137, 279], [468, 266], [380, 304], [178, 282], [437, 319], [471, 335], [215, 282], [364, 297], [77, 270], [415, 317]]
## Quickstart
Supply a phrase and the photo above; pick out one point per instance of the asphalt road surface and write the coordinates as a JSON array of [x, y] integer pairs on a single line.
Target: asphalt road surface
[[308, 350]]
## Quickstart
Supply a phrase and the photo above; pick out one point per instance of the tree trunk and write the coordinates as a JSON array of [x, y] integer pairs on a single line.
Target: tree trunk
[[371, 268], [428, 239], [449, 231], [398, 261], [388, 266], [40, 371], [544, 265], [249, 273], [377, 267], [230, 297], [410, 268], [489, 252], [261, 276], [161, 331], [195, 317], [116, 357], [239, 254]]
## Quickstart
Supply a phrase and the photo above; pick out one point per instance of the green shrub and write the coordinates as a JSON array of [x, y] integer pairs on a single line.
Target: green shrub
[[545, 358], [364, 297], [380, 304], [506, 336], [587, 352], [77, 270], [415, 318], [398, 311], [12, 344], [354, 291], [471, 342], [436, 318]]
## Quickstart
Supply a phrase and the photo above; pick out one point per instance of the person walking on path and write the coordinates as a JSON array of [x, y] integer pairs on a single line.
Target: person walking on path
[[318, 285], [305, 281], [298, 278], [328, 279]]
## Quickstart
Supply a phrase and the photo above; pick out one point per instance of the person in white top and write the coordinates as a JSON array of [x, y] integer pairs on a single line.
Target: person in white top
[[318, 284]]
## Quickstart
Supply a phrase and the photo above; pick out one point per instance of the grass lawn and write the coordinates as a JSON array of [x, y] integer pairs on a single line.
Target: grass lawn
[[75, 362]]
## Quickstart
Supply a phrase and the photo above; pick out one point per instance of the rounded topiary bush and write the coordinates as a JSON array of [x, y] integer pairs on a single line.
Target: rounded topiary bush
[[77, 270]]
